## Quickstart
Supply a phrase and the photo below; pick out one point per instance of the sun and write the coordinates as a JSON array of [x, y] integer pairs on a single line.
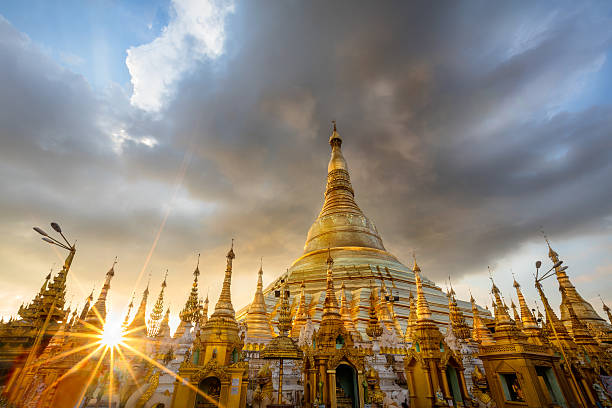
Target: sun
[[112, 335]]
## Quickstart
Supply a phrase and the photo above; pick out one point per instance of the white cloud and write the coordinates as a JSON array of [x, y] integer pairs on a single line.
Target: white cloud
[[195, 32]]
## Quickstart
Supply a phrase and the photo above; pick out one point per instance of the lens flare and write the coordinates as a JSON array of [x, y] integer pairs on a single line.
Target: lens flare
[[112, 335]]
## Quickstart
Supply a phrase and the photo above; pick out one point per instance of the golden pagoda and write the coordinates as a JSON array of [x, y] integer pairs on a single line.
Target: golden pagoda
[[359, 254], [213, 372], [259, 327]]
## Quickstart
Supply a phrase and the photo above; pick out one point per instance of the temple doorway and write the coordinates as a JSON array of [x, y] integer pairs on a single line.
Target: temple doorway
[[453, 383], [210, 386], [347, 394]]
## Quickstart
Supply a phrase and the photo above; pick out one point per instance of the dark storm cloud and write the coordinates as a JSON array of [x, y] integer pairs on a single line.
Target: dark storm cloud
[[454, 116]]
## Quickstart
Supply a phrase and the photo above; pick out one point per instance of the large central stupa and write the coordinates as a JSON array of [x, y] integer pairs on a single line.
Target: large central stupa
[[361, 261]]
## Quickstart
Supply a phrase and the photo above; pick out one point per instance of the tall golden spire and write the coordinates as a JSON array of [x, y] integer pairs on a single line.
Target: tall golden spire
[[346, 315], [191, 311], [258, 322], [156, 315], [373, 329], [423, 311], [301, 315], [528, 322], [138, 326], [97, 314], [330, 305], [224, 304], [456, 317], [480, 332], [412, 319], [284, 313], [341, 223]]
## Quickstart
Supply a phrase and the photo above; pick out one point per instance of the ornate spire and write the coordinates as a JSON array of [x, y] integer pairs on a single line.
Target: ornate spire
[[456, 318], [224, 304], [139, 325], [156, 315], [191, 311], [373, 329], [301, 315], [412, 320], [502, 318], [346, 315], [258, 322], [340, 212], [528, 322], [284, 313], [480, 333], [97, 314], [330, 305], [423, 311]]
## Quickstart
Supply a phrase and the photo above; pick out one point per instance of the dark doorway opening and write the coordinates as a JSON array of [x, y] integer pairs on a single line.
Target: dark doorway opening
[[347, 394], [210, 386]]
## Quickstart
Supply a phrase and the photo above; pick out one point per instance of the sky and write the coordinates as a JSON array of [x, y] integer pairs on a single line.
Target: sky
[[156, 130]]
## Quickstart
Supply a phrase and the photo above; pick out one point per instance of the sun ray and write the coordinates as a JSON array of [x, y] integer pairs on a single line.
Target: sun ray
[[128, 366], [172, 373], [64, 354], [72, 369], [112, 368], [91, 377]]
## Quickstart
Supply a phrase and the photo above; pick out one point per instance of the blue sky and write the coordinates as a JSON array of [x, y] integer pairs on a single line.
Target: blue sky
[[89, 37]]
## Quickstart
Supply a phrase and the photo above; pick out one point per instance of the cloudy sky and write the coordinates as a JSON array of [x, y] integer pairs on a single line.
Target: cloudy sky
[[157, 130]]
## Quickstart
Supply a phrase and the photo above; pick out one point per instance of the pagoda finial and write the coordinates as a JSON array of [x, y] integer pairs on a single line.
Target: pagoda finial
[[196, 272]]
